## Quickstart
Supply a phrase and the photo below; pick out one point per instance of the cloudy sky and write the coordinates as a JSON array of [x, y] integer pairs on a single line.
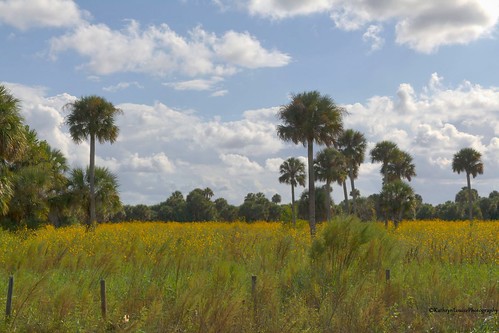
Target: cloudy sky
[[200, 83]]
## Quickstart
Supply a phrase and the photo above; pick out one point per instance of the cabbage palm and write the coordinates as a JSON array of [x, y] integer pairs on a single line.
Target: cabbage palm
[[293, 173], [12, 143], [468, 160], [399, 167], [353, 146], [92, 117], [330, 166], [310, 118], [384, 152]]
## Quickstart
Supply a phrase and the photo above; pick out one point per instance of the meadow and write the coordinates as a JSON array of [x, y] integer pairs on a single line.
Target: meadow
[[197, 277]]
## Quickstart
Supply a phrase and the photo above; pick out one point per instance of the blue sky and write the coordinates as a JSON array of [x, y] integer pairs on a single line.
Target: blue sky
[[200, 83]]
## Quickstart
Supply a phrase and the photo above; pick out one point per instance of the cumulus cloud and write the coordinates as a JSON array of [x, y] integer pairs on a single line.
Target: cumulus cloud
[[161, 149], [422, 25], [158, 50], [372, 36], [25, 14]]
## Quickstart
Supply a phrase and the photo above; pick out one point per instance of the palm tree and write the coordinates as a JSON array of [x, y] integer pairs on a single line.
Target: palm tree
[[384, 152], [106, 192], [310, 117], [293, 173], [400, 166], [470, 161], [397, 197], [93, 117], [330, 166], [353, 146]]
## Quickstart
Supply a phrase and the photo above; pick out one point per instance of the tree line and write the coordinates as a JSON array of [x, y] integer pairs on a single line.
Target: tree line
[[38, 187]]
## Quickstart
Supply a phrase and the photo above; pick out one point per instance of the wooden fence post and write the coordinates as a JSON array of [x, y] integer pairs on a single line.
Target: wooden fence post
[[253, 294], [103, 305], [10, 291], [387, 275]]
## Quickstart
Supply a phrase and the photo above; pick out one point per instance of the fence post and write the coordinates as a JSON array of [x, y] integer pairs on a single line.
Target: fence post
[[253, 294], [387, 275], [10, 290], [103, 305]]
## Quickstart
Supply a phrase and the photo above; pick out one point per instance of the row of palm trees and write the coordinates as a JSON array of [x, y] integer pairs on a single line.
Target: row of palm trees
[[311, 118]]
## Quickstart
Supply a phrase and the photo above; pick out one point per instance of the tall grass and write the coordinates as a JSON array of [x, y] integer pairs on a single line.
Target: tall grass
[[196, 277]]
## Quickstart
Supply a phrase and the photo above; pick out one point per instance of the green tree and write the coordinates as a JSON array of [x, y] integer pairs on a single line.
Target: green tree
[[293, 173], [12, 143], [468, 160], [311, 118], [384, 152], [199, 206], [397, 198], [330, 166], [92, 117], [400, 166], [226, 212], [107, 198], [352, 144], [256, 207]]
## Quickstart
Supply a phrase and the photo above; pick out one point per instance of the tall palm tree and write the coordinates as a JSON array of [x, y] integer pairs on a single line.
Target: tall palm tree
[[400, 166], [311, 118], [12, 143], [293, 173], [384, 152], [353, 145], [330, 166], [92, 117], [470, 161]]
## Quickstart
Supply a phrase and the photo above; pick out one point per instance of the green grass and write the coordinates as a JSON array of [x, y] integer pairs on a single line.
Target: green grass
[[197, 278]]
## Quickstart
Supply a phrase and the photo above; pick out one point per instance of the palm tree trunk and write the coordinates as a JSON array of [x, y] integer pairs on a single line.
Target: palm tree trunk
[[354, 193], [345, 193], [92, 221], [470, 200], [293, 213], [328, 202], [311, 188]]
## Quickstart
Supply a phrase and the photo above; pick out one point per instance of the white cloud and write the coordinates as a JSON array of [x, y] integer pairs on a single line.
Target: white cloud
[[158, 50], [220, 93], [160, 149], [423, 25], [372, 35], [197, 84], [122, 85], [25, 14]]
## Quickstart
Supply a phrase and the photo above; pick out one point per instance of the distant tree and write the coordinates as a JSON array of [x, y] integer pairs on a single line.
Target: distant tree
[[468, 160], [199, 206], [330, 166], [462, 203], [276, 199], [93, 118], [311, 118], [366, 209], [448, 211], [397, 198], [139, 212], [426, 211], [352, 144], [256, 207], [174, 208], [293, 173], [225, 211], [320, 208]]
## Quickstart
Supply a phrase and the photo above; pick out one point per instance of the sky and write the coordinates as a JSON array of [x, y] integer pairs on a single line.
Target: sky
[[200, 83]]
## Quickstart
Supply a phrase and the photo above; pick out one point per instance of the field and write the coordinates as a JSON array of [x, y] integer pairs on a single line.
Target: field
[[197, 277]]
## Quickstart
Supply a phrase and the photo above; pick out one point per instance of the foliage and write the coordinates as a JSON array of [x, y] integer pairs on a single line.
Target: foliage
[[256, 207], [397, 199], [293, 173], [199, 206]]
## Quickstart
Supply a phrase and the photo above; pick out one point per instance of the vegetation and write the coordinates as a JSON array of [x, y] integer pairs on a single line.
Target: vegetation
[[469, 161], [197, 277], [92, 117], [293, 173], [311, 118]]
